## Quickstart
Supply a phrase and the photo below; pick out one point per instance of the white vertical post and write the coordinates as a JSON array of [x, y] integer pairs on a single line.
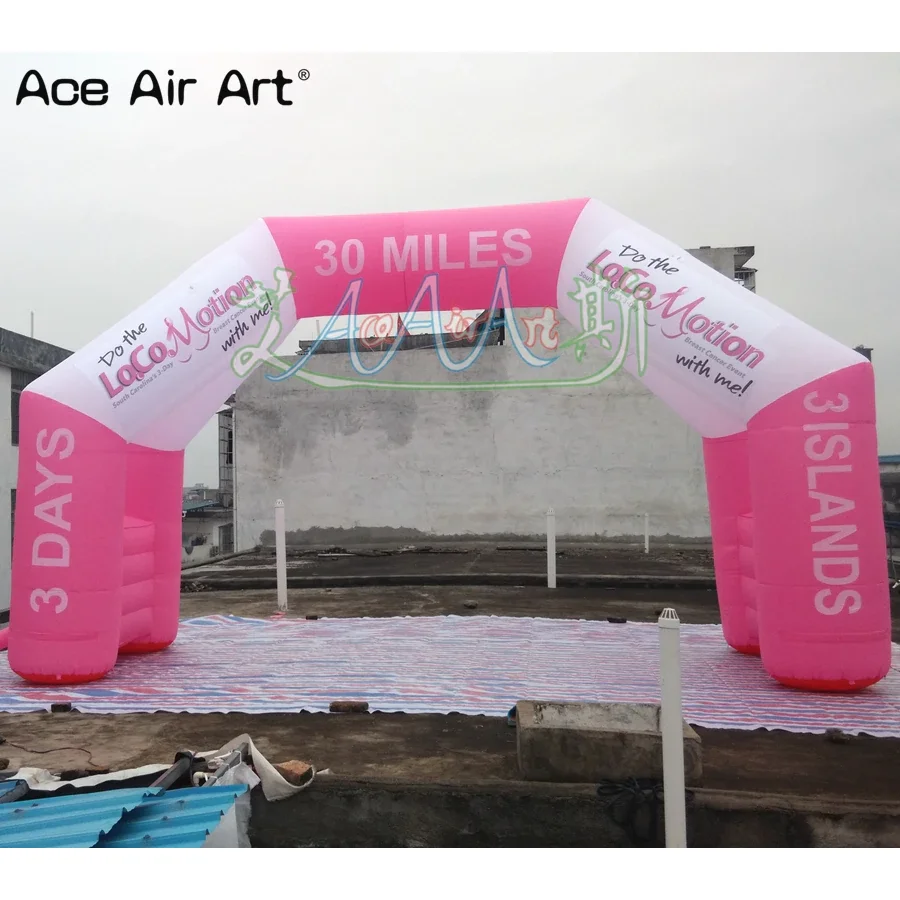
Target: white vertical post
[[646, 532], [32, 324], [280, 556], [672, 728], [551, 549]]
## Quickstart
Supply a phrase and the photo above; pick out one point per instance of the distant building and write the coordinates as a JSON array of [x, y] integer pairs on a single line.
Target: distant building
[[207, 530], [889, 469], [22, 360], [730, 262], [200, 492], [208, 513], [226, 452]]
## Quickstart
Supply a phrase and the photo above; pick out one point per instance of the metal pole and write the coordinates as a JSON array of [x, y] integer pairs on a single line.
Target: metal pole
[[672, 728], [551, 549], [646, 532], [280, 556], [32, 324], [184, 762]]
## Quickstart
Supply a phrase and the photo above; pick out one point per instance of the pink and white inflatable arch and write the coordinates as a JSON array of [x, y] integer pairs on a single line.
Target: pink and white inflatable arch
[[787, 417]]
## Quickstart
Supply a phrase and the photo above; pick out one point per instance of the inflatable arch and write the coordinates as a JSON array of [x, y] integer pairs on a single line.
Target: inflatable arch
[[787, 417]]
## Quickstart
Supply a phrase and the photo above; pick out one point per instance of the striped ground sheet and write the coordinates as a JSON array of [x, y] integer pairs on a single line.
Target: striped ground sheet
[[476, 665]]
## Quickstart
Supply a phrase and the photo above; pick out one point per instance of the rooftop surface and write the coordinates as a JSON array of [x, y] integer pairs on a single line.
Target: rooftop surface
[[195, 505], [414, 773], [513, 564]]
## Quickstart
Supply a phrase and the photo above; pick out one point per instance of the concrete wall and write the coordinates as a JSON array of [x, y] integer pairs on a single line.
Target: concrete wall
[[358, 465], [9, 468]]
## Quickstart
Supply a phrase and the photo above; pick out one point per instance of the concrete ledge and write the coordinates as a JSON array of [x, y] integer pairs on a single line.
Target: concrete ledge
[[225, 581], [584, 743], [211, 561], [336, 811], [323, 538]]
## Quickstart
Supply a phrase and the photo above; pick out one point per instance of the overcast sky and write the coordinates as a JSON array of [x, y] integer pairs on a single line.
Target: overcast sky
[[798, 155]]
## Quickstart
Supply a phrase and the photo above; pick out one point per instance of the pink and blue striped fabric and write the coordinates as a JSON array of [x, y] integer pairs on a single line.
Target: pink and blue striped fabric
[[478, 665]]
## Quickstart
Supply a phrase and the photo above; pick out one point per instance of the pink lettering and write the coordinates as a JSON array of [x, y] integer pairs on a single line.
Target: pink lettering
[[110, 389], [178, 339], [665, 305], [594, 265], [233, 294], [637, 274]]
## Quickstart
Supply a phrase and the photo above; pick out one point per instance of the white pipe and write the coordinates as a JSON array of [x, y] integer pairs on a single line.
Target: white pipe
[[646, 532], [672, 728], [280, 556], [551, 549]]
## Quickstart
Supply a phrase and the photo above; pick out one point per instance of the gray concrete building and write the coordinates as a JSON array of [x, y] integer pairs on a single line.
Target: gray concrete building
[[207, 516], [730, 261], [363, 465], [22, 360]]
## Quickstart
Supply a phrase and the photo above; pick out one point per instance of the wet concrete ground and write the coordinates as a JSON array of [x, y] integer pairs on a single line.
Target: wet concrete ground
[[695, 606], [524, 563]]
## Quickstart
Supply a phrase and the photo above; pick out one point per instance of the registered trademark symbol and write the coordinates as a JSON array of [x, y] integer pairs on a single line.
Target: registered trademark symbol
[[303, 74]]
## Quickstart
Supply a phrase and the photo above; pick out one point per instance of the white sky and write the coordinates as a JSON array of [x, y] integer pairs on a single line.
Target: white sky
[[797, 155]]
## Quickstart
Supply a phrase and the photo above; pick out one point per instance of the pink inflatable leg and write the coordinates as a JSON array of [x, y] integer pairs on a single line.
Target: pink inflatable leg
[[138, 581], [823, 598], [728, 489], [67, 554], [154, 489]]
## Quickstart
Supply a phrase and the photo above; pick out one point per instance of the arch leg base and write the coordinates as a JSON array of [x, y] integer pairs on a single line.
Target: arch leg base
[[63, 679], [136, 647], [837, 686]]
